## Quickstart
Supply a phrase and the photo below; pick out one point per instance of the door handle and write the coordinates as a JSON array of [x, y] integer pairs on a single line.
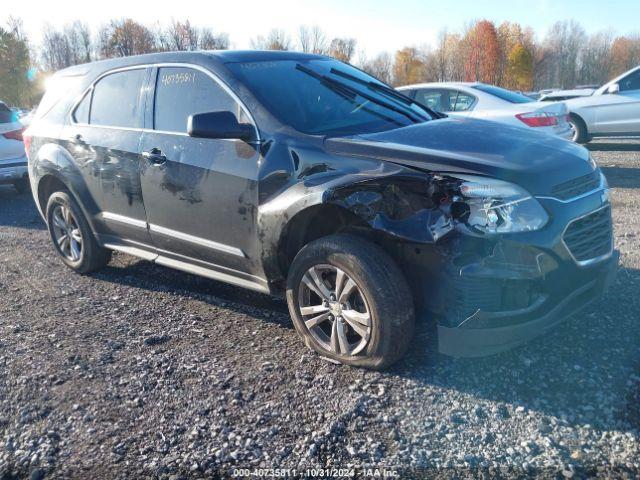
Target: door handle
[[155, 156]]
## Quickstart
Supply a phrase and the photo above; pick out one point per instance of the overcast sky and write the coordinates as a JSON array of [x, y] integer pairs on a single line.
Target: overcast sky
[[378, 25]]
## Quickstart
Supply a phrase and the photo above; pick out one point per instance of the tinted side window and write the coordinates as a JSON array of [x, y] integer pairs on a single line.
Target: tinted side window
[[81, 113], [408, 93], [630, 82], [116, 99], [181, 92], [432, 99], [462, 101]]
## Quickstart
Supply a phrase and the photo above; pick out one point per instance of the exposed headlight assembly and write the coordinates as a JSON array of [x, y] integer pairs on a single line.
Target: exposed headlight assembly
[[493, 206]]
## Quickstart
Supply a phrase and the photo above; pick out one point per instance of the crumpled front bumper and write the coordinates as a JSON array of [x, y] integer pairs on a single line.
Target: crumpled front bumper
[[472, 338]]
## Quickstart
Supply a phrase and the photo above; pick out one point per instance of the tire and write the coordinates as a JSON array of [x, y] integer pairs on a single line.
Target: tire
[[580, 135], [381, 291], [90, 256], [22, 186]]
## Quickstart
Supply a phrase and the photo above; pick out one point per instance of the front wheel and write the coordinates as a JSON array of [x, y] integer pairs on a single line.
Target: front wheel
[[579, 130], [350, 302]]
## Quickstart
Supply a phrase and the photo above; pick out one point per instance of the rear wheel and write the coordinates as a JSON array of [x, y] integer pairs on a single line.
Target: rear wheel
[[22, 185], [579, 130], [350, 302], [71, 236]]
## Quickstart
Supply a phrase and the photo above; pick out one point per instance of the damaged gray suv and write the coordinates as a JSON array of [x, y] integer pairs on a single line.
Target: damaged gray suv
[[299, 175]]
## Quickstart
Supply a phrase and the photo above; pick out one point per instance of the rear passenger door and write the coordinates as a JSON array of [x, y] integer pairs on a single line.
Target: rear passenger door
[[104, 136], [200, 194]]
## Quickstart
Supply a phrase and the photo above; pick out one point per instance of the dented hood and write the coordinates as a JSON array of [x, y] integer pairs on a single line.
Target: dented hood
[[533, 160]]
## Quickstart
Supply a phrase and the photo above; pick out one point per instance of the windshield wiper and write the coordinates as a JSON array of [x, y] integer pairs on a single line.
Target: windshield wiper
[[344, 89], [378, 87]]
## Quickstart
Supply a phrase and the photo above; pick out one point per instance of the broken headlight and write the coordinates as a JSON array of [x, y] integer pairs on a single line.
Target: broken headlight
[[494, 206]]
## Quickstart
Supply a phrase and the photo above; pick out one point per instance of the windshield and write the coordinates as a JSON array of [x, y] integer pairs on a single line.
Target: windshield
[[327, 97], [503, 93]]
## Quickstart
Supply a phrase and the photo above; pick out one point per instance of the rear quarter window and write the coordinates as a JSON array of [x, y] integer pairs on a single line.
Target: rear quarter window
[[61, 91], [503, 93]]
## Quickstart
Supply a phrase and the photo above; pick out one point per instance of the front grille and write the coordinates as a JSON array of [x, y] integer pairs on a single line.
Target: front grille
[[577, 186], [590, 236]]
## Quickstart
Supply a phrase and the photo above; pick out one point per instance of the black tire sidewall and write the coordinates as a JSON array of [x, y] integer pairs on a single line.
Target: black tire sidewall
[[63, 198], [341, 251], [580, 129]]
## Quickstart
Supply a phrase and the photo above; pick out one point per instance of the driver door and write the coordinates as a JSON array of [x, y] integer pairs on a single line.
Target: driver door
[[200, 195], [620, 112]]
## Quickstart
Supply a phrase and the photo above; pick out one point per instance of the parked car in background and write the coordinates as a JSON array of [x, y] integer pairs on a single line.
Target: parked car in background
[[612, 110], [13, 161], [479, 100], [561, 95], [299, 175]]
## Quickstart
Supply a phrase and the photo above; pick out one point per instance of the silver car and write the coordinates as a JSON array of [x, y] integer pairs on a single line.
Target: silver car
[[13, 160], [488, 102], [612, 110]]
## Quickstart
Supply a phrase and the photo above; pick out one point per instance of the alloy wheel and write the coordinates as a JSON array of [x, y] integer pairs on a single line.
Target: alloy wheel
[[334, 310], [574, 131], [66, 233]]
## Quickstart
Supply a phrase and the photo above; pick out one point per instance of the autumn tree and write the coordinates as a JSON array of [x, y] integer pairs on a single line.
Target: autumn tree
[[122, 38], [183, 36], [519, 70], [409, 66], [562, 48], [276, 39], [511, 34], [625, 54], [209, 40], [481, 52], [448, 57], [342, 48], [595, 58], [312, 39], [68, 46], [380, 66]]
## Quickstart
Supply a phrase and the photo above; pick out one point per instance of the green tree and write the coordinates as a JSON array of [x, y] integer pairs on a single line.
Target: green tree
[[15, 86], [520, 68]]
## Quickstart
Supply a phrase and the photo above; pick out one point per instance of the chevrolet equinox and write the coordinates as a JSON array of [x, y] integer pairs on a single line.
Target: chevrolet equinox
[[299, 175]]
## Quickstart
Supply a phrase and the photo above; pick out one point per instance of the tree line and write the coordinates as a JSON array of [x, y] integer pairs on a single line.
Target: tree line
[[507, 55]]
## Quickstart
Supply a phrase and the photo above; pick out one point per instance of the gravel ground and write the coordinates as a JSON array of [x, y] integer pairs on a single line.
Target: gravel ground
[[140, 371]]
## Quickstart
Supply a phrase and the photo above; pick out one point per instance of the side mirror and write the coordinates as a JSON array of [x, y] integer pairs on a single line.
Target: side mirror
[[613, 88], [219, 125]]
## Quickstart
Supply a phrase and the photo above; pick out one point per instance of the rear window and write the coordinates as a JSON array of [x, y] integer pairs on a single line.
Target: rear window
[[116, 100], [6, 114], [504, 94]]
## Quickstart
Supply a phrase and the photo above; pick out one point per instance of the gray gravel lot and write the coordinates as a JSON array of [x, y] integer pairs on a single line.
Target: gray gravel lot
[[140, 371]]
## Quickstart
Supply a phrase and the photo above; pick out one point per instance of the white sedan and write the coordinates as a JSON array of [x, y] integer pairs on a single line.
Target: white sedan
[[612, 110], [13, 160], [488, 102]]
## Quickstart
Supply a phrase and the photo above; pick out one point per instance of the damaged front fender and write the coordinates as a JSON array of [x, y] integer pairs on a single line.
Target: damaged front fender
[[397, 203], [400, 207]]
